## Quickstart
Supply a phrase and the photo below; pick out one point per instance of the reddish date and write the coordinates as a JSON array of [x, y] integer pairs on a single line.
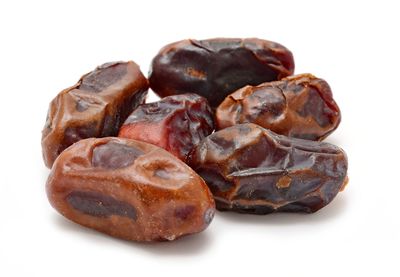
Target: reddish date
[[176, 123], [298, 106], [250, 169], [95, 107], [213, 68], [129, 189]]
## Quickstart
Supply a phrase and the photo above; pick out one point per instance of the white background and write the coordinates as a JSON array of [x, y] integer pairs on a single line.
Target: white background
[[46, 46]]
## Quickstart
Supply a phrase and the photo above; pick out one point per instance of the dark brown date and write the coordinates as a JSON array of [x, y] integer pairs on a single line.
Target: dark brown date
[[298, 106], [95, 107], [129, 189], [176, 123], [214, 68], [250, 169]]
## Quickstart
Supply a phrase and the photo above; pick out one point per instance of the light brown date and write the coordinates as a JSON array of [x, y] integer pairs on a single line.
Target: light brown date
[[95, 107], [129, 189]]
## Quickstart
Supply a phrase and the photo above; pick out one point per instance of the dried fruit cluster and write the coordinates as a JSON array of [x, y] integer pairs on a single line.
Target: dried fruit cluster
[[157, 171]]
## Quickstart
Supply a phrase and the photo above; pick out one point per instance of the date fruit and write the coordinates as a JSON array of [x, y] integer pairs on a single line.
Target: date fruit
[[129, 189], [250, 169], [214, 68], [176, 123], [298, 106], [94, 107]]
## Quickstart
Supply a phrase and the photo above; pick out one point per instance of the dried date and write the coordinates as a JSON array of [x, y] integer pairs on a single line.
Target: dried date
[[129, 189], [95, 107], [300, 106], [250, 169], [214, 68], [176, 123]]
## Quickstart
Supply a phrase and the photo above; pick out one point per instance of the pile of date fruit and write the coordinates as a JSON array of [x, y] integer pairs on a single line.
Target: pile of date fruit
[[234, 130]]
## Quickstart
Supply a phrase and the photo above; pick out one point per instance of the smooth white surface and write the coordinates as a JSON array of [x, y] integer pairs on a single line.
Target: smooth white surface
[[46, 46]]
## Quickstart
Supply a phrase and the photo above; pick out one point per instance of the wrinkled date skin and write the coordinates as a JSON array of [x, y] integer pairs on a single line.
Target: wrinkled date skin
[[298, 106], [95, 107], [129, 189], [176, 123], [214, 68], [250, 169]]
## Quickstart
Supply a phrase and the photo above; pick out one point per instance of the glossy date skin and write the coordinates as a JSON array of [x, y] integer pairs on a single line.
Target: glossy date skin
[[300, 106], [94, 107], [250, 169], [214, 68], [130, 190], [176, 123]]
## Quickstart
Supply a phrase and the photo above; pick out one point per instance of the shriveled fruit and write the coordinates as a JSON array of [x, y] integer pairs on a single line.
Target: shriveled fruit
[[129, 189], [94, 107], [214, 68], [250, 169], [298, 106], [176, 123]]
